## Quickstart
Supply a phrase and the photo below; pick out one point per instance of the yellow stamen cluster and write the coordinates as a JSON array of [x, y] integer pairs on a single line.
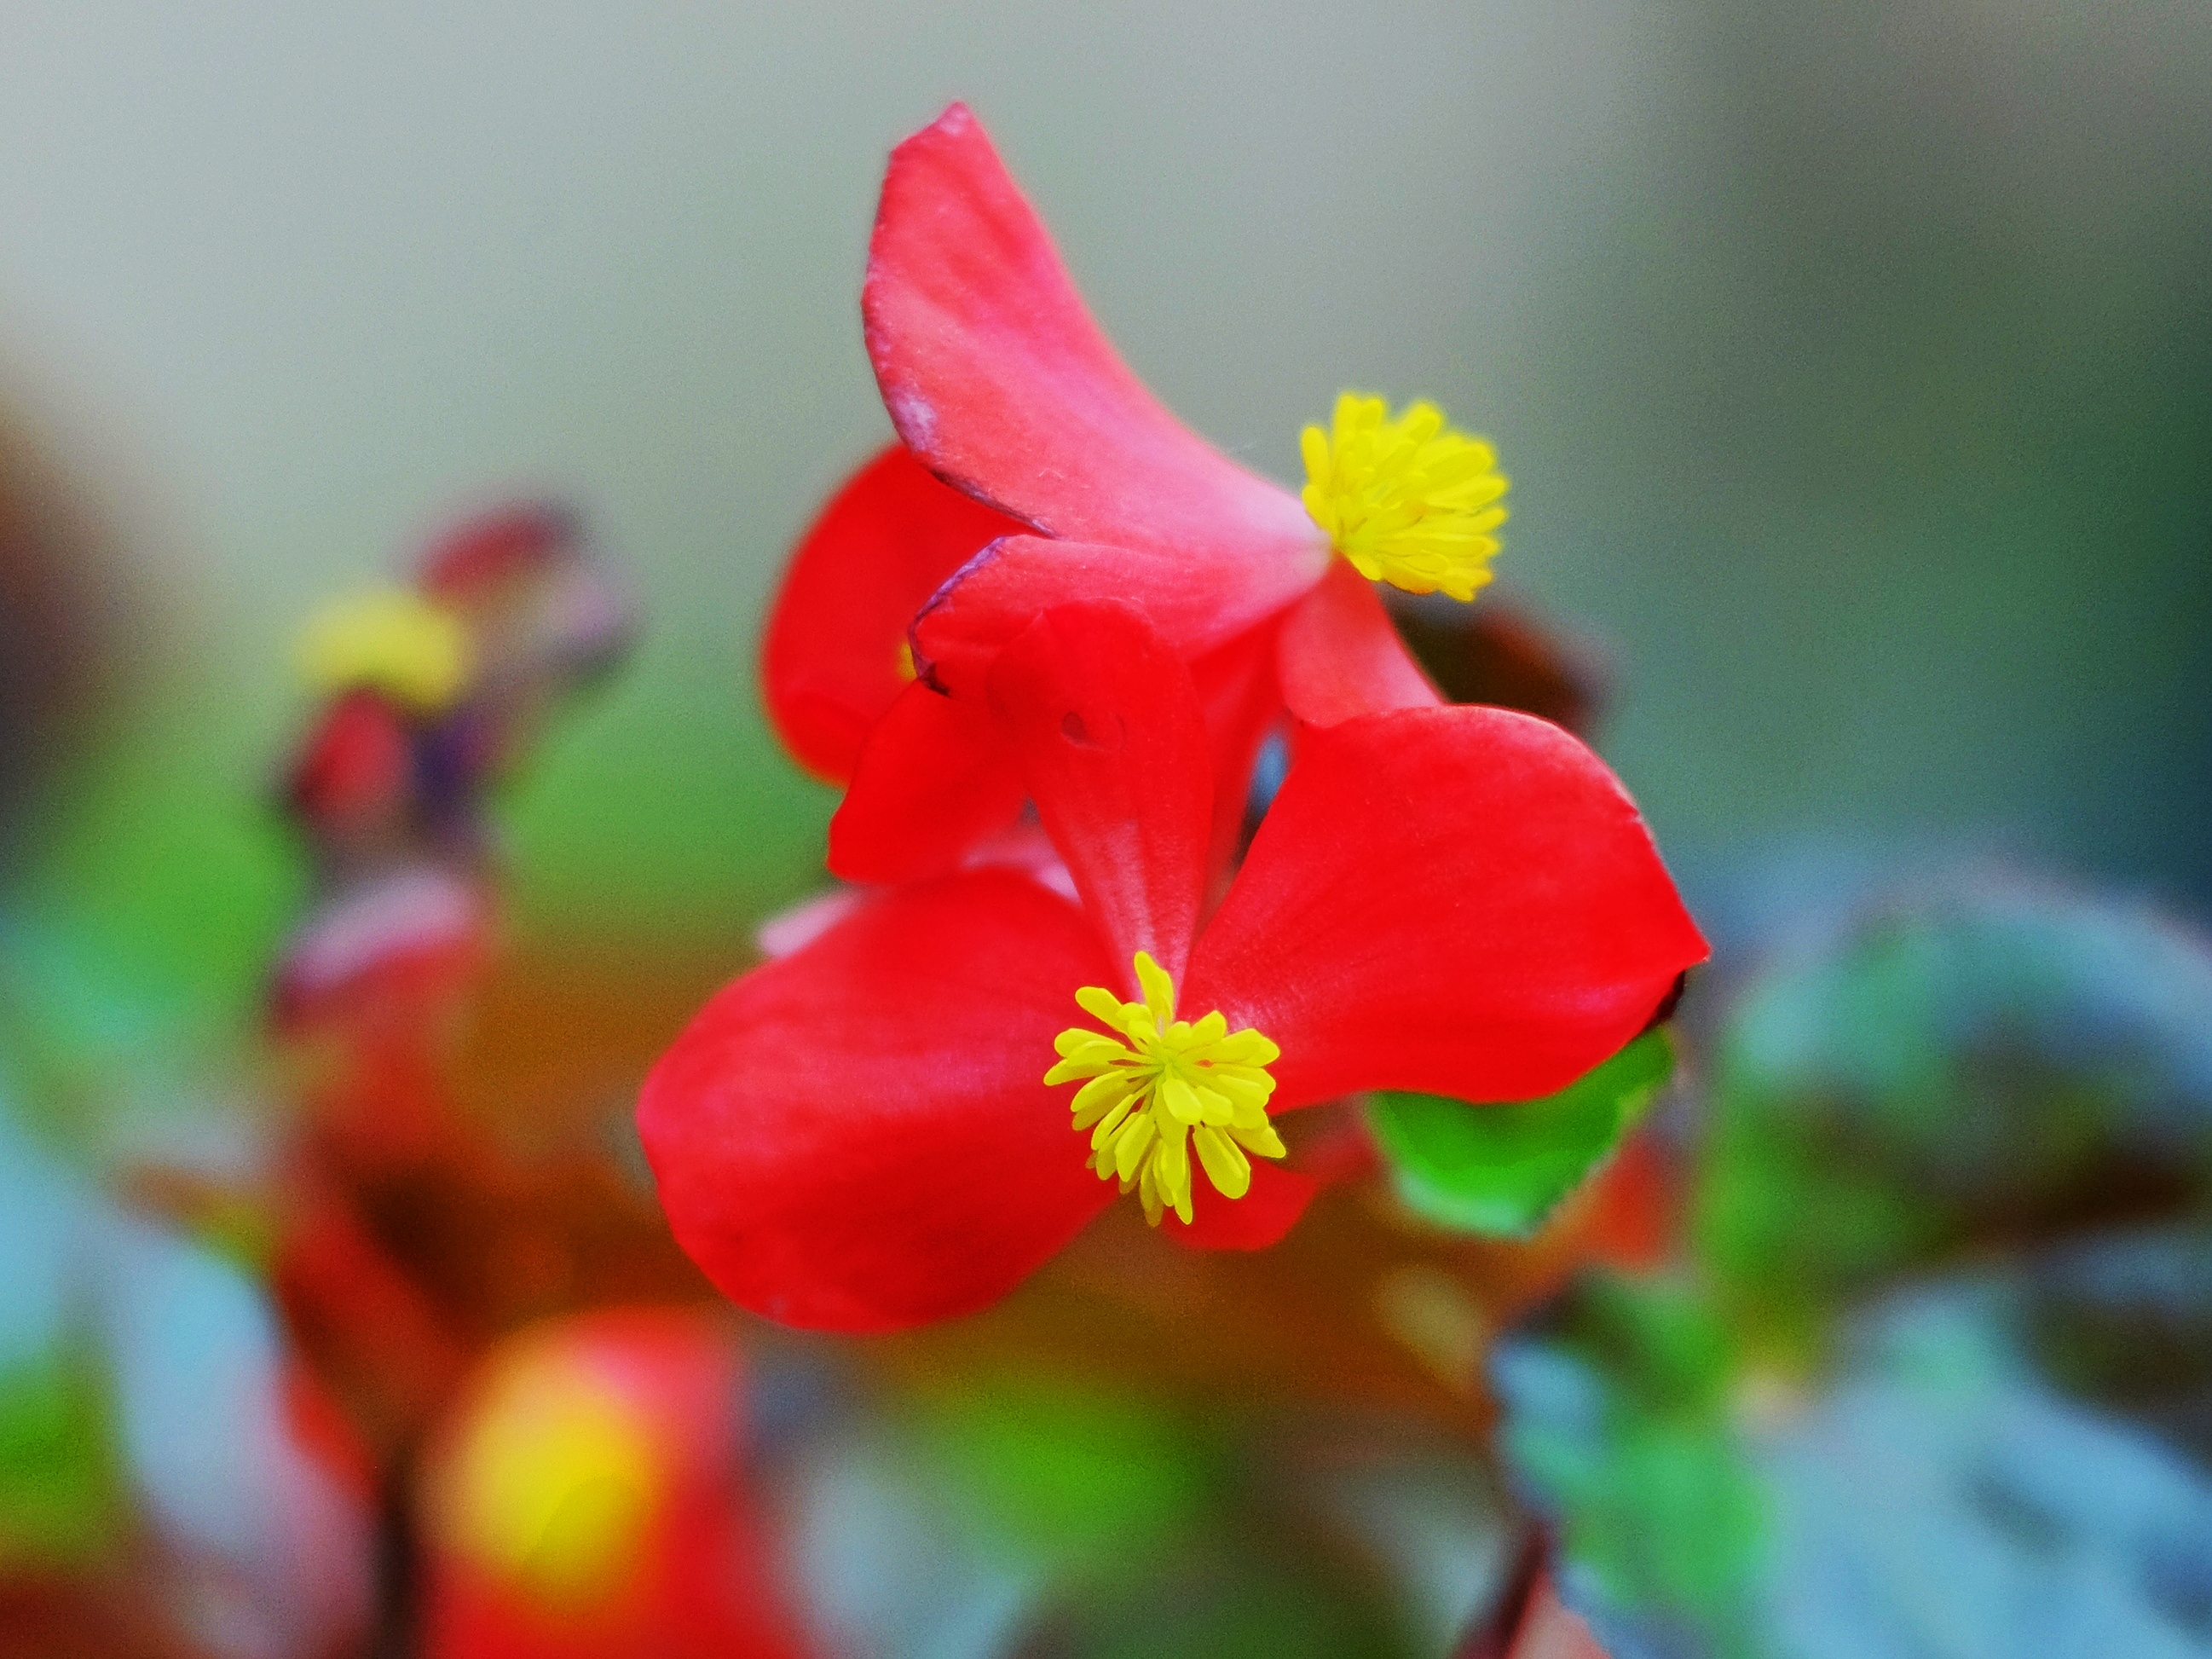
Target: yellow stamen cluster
[[1167, 1086], [554, 1484], [1409, 500], [393, 641]]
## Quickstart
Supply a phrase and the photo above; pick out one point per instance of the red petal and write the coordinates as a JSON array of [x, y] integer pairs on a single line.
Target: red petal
[[1459, 900], [998, 378], [855, 1137], [1549, 1630], [1237, 688], [480, 554], [1339, 655], [830, 660], [934, 777], [1199, 597], [355, 773], [1106, 726], [1271, 1208]]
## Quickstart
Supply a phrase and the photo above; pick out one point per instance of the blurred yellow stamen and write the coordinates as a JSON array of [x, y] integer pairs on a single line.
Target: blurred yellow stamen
[[904, 659], [391, 640], [1407, 499], [554, 1485], [1164, 1087]]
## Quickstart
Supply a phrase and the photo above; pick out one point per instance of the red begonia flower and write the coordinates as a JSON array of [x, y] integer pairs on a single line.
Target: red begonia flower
[[1456, 900], [1071, 481], [833, 658]]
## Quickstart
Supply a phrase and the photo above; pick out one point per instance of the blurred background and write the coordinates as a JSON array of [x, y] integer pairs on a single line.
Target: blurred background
[[1853, 366]]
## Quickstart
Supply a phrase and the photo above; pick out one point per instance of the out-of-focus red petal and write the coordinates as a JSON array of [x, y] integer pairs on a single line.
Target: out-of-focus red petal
[[479, 554], [934, 777], [1461, 900], [1549, 1630], [1112, 747], [1340, 656], [1270, 1208], [998, 378], [831, 657], [1199, 597], [355, 770], [856, 1137]]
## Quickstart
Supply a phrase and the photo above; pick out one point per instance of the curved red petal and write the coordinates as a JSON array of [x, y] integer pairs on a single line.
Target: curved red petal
[[832, 658], [1237, 688], [934, 777], [1199, 598], [998, 378], [1461, 900], [1105, 722], [856, 1137], [1339, 655], [1270, 1208]]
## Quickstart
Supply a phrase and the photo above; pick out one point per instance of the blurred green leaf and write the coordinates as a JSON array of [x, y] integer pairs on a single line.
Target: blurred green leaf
[[58, 1481], [1072, 1471], [1500, 1170], [2002, 1063], [1618, 1426]]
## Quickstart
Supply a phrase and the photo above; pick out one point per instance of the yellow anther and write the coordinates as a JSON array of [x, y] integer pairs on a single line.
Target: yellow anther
[[1164, 1086], [391, 640], [1407, 499], [554, 1484]]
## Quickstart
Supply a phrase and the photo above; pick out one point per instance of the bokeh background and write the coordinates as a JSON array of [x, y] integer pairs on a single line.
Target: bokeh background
[[1853, 364]]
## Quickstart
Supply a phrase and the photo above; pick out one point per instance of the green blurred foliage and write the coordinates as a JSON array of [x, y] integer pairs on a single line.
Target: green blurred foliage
[[1619, 1420], [1942, 1363], [1076, 1473], [2004, 1066], [59, 1492]]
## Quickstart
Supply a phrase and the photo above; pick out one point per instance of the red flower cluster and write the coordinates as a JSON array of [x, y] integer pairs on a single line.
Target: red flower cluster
[[1103, 617]]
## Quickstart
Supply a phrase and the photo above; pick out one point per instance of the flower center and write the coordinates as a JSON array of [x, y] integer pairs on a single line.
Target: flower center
[[1407, 499], [409, 647], [1164, 1087], [554, 1485]]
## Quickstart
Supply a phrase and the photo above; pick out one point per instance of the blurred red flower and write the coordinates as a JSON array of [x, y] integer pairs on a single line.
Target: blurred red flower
[[585, 1498]]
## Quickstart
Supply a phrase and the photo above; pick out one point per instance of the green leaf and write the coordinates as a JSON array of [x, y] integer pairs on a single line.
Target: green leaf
[[1501, 1169], [58, 1477]]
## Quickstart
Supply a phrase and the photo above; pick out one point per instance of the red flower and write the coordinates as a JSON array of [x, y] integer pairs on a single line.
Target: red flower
[[1071, 481], [584, 1499], [1456, 900]]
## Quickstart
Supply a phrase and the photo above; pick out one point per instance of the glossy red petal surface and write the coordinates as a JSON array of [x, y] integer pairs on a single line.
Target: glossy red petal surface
[[855, 1137], [1278, 1197], [998, 378], [1462, 901], [1339, 655], [1199, 598], [1242, 700], [1106, 726], [934, 778], [830, 657]]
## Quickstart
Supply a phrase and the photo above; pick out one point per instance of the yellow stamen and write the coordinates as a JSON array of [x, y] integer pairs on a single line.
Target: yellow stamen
[[1408, 499], [1165, 1085], [555, 1482], [903, 660], [393, 641]]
